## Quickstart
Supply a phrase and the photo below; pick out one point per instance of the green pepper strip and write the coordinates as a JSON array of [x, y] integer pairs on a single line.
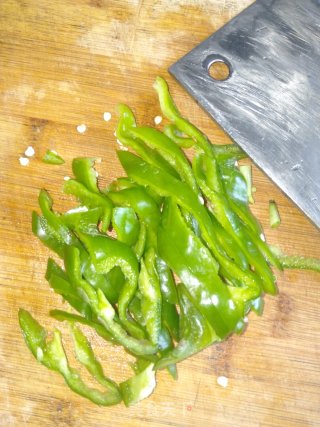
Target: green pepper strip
[[173, 133], [231, 222], [235, 186], [188, 257], [229, 245], [59, 282], [84, 172], [141, 242], [82, 218], [52, 158], [168, 186], [236, 190], [144, 206], [170, 110], [102, 308], [135, 309], [223, 152], [52, 355], [107, 253], [106, 316], [174, 155], [47, 235], [196, 333], [61, 232], [91, 200], [126, 123], [126, 225], [296, 261], [86, 357], [169, 150], [63, 316], [138, 387], [167, 284], [149, 287], [170, 319]]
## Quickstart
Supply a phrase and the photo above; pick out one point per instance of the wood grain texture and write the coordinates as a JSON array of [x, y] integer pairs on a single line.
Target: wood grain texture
[[65, 62]]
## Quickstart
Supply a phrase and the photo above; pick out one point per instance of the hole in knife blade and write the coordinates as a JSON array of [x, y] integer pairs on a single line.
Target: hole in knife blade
[[218, 67]]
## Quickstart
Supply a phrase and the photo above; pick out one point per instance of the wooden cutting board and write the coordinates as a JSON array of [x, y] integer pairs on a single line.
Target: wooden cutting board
[[64, 63]]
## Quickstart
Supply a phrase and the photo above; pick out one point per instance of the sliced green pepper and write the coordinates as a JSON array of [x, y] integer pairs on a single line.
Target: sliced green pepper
[[63, 316], [82, 218], [138, 387], [59, 230], [231, 222], [126, 225], [149, 287], [126, 123], [167, 283], [168, 186], [52, 355], [106, 316], [195, 332], [52, 158], [86, 357], [144, 206], [47, 234], [91, 200], [107, 253], [169, 150], [84, 172], [173, 132], [60, 283], [192, 262]]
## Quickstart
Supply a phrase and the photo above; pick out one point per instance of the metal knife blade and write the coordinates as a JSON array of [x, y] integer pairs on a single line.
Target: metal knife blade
[[270, 103]]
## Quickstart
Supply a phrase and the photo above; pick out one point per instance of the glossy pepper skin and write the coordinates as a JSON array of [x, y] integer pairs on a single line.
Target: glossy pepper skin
[[232, 223], [188, 257], [181, 193], [173, 219], [107, 253], [91, 200], [195, 331], [52, 355], [144, 206]]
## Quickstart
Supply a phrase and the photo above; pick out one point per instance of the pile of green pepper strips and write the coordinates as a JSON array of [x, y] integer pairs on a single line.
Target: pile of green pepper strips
[[170, 218]]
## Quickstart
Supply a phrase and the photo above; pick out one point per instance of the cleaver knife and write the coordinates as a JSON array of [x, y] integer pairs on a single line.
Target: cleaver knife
[[269, 101]]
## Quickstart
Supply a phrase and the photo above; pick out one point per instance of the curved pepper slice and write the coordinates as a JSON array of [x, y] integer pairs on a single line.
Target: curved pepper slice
[[63, 316], [107, 253], [106, 316], [195, 332], [186, 255], [91, 200], [83, 170], [126, 123], [167, 284], [52, 355], [59, 282], [149, 287], [173, 132], [168, 186], [232, 223], [138, 387], [126, 225], [236, 190], [58, 229], [144, 206], [86, 357], [169, 150]]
